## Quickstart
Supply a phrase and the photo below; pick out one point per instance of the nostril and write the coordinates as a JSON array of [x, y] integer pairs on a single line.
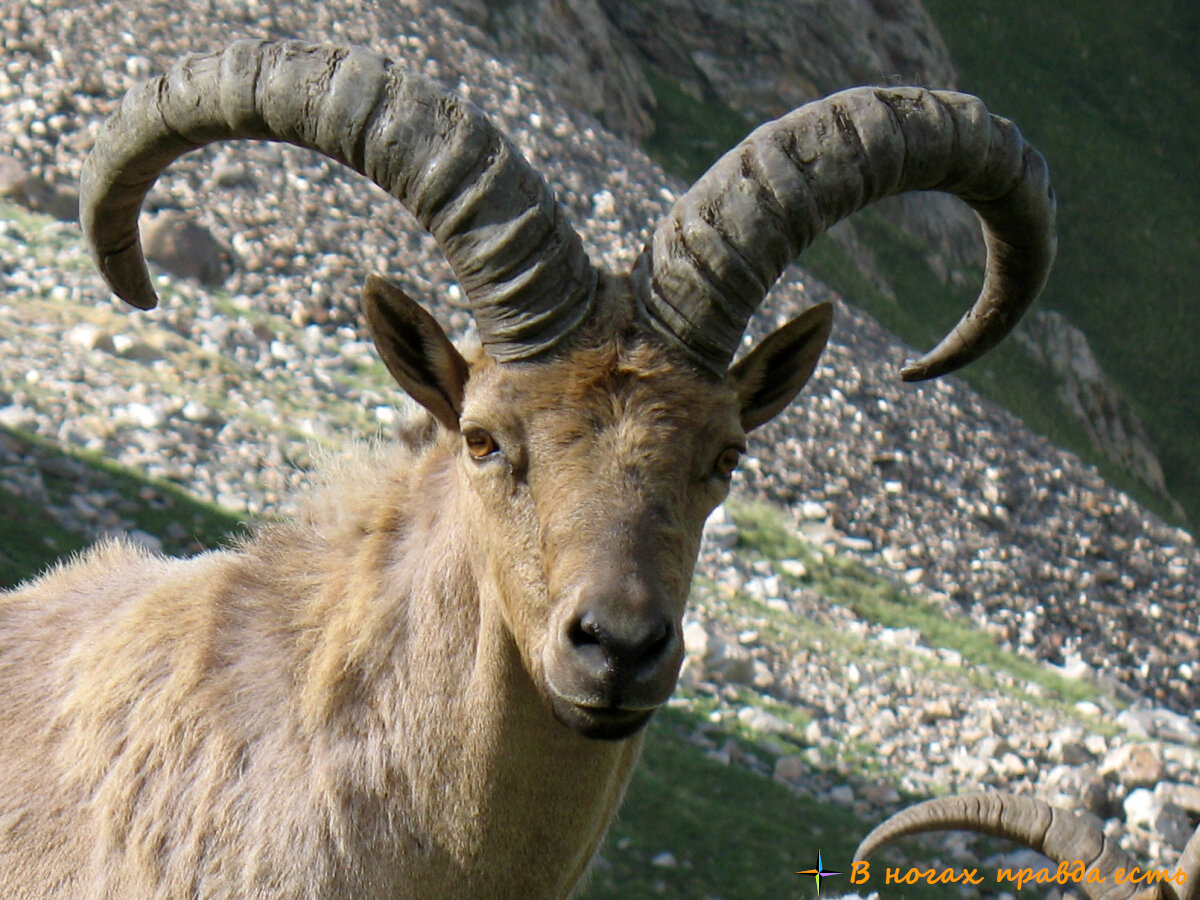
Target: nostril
[[589, 642], [659, 641], [654, 643], [585, 632], [621, 643], [652, 646]]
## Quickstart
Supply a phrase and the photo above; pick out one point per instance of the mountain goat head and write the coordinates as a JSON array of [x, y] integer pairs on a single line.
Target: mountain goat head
[[575, 458], [603, 422]]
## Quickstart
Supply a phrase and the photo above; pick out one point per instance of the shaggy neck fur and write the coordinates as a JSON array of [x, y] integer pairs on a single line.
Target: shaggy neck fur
[[409, 753], [497, 771]]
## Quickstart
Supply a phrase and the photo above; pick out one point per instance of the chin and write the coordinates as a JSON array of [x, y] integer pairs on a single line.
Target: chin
[[600, 723]]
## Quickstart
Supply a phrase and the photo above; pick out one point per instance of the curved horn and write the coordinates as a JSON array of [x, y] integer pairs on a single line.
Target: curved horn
[[1189, 862], [711, 261], [1059, 835], [520, 263]]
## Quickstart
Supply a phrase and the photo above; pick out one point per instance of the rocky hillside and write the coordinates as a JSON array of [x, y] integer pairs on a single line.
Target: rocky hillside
[[224, 391], [757, 59], [639, 66]]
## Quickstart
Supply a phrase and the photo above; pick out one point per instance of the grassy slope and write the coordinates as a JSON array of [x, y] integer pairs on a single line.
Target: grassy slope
[[31, 538], [1110, 90], [1111, 110]]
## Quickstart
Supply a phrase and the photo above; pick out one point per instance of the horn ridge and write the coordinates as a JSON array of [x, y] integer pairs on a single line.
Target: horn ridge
[[496, 220], [1033, 823], [819, 164]]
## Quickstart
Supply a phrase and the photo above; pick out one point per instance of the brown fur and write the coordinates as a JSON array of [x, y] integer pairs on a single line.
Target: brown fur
[[284, 720], [361, 702]]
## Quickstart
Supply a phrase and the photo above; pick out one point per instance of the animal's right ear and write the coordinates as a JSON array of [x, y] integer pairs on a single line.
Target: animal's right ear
[[771, 374], [415, 350]]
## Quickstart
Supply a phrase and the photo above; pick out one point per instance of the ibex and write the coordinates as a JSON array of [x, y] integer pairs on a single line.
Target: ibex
[[1091, 862], [433, 684]]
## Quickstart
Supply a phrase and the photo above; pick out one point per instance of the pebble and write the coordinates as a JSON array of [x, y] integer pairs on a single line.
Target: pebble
[[1134, 765]]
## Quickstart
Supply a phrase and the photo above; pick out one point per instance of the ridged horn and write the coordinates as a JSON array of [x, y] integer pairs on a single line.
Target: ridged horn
[[521, 265], [712, 259], [1189, 862], [1059, 835]]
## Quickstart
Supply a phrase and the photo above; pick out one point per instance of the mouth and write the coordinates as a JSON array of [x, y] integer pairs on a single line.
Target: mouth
[[600, 723]]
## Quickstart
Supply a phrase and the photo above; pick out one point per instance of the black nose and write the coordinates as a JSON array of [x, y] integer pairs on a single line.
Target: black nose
[[619, 644]]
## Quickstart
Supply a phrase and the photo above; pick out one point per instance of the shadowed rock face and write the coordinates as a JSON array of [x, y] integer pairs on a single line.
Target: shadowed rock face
[[1113, 428], [764, 58], [760, 58]]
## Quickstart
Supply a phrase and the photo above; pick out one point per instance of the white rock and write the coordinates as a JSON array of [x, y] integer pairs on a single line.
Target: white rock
[[842, 795], [15, 416], [90, 337], [793, 567], [760, 720], [146, 540], [899, 637], [857, 544], [604, 204], [813, 511], [1166, 821], [143, 415], [1141, 807]]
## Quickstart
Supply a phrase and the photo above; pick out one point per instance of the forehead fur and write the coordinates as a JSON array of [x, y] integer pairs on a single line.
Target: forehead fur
[[617, 379], [605, 382]]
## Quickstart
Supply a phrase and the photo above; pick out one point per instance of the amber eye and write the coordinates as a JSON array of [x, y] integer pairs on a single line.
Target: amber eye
[[480, 444], [728, 461]]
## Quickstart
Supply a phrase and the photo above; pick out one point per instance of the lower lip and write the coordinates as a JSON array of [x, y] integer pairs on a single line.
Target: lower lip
[[613, 714], [614, 724]]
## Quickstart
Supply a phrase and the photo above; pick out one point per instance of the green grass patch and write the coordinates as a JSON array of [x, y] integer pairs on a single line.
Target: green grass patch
[[32, 538], [765, 531], [733, 834], [690, 134], [884, 604]]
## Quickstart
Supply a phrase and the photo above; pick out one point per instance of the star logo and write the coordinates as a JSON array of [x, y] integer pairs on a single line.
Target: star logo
[[819, 872]]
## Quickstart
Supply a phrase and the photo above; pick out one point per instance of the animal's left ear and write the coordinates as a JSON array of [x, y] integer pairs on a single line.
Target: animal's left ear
[[415, 350], [773, 373]]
